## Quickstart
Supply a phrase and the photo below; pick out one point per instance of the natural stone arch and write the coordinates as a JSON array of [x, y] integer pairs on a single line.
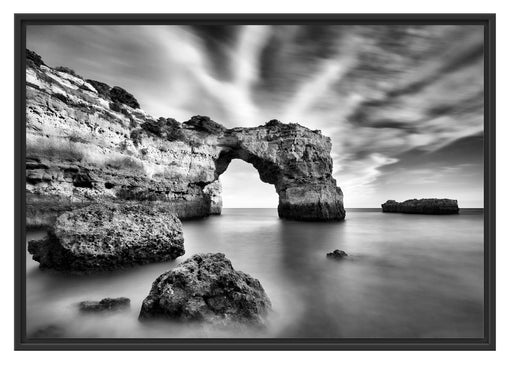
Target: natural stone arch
[[89, 143], [292, 158]]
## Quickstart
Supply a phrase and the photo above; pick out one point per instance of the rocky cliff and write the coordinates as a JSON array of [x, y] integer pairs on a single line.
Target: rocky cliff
[[89, 142], [422, 206]]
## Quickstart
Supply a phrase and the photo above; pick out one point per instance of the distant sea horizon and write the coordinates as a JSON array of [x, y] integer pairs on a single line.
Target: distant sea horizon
[[356, 209]]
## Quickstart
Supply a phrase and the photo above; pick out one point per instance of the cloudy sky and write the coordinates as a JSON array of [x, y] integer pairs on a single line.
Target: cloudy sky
[[403, 105]]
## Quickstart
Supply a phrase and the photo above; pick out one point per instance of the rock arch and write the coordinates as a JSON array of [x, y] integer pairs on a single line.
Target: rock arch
[[86, 146], [295, 160]]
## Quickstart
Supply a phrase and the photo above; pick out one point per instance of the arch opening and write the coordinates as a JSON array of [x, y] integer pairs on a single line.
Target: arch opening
[[242, 187], [269, 172]]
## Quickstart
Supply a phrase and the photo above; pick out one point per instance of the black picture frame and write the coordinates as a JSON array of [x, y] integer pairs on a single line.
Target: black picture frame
[[488, 341]]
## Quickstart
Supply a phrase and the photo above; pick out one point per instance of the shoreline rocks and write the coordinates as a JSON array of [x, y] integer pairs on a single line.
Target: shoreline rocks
[[206, 288], [109, 236], [422, 206], [106, 304]]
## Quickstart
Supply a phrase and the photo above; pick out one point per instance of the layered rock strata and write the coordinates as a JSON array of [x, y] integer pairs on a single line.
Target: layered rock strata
[[422, 206], [206, 288], [88, 142]]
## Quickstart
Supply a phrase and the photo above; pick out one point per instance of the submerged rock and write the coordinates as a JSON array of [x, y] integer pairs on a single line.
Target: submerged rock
[[337, 254], [207, 288], [89, 143], [422, 206], [50, 331], [106, 304], [109, 236]]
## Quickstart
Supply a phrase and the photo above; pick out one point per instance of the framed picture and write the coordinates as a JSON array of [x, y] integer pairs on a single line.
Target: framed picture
[[255, 181]]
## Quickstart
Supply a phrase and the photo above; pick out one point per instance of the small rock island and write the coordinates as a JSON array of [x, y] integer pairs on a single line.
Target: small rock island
[[422, 206]]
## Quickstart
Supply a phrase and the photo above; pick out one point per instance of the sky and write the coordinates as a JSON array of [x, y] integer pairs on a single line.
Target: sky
[[403, 105]]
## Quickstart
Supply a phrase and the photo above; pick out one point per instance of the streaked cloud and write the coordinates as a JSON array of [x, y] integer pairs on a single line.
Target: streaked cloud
[[399, 102]]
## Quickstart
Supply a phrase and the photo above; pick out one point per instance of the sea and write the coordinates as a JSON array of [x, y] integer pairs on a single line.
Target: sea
[[405, 276]]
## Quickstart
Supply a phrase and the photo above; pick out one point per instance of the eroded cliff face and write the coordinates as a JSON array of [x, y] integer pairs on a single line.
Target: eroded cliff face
[[88, 142]]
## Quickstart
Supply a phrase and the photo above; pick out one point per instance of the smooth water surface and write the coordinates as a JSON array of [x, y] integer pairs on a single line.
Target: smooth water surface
[[406, 276]]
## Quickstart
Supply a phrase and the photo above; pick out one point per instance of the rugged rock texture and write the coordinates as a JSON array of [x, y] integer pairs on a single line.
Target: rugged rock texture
[[106, 304], [293, 158], [109, 236], [337, 254], [422, 206], [207, 288], [88, 142]]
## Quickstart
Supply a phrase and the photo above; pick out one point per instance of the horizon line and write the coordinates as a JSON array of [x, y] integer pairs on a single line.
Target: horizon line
[[345, 207]]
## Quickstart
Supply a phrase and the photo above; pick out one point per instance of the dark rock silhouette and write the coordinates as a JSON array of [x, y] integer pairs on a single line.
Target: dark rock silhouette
[[106, 304], [337, 254], [109, 236], [33, 59], [101, 88], [67, 70], [120, 95], [204, 124], [207, 288], [167, 128], [87, 143], [422, 206]]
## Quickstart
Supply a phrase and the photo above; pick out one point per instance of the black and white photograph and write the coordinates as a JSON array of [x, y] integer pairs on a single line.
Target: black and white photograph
[[321, 181]]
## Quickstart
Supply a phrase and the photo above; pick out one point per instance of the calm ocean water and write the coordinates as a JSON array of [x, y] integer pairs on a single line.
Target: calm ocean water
[[407, 276]]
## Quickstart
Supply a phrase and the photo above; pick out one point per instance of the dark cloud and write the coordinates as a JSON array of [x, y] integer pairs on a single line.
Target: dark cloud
[[218, 39], [294, 53], [391, 98], [459, 152], [473, 105], [468, 57]]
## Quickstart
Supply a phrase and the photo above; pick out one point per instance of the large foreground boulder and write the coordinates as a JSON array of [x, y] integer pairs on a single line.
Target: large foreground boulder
[[422, 206], [207, 288], [106, 237]]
